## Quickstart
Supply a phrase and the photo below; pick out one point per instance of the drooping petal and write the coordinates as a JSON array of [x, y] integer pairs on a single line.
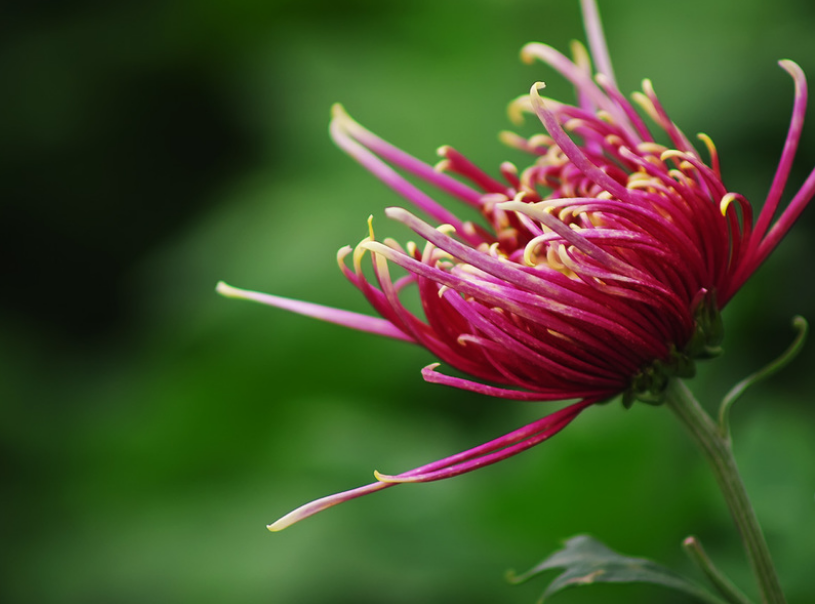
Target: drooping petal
[[455, 465], [494, 451], [318, 505]]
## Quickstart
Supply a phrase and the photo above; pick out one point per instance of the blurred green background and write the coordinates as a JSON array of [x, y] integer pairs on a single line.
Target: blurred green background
[[149, 429]]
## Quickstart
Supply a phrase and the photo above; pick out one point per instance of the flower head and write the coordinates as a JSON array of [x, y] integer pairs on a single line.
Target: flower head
[[599, 269]]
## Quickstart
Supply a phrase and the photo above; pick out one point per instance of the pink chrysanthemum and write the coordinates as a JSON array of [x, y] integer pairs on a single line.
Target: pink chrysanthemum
[[601, 271]]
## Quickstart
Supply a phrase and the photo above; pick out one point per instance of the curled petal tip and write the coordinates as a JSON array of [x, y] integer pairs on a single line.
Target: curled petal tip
[[516, 109], [338, 111], [227, 291], [429, 371], [602, 79], [671, 153], [537, 87], [790, 66], [309, 509], [296, 516], [386, 478], [508, 166], [536, 99], [284, 522], [580, 54], [442, 166], [527, 54], [397, 213], [726, 201], [318, 505]]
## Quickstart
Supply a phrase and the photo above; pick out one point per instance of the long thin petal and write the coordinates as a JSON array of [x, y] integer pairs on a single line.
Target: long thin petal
[[582, 82], [495, 450], [345, 318], [318, 505], [592, 330], [572, 151], [343, 123], [431, 376], [390, 177], [783, 224], [597, 39], [790, 147], [460, 463]]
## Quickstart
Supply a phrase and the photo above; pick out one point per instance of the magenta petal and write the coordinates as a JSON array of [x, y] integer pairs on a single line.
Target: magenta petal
[[344, 124], [317, 311], [494, 451], [431, 376], [597, 39], [455, 465], [790, 147], [318, 505]]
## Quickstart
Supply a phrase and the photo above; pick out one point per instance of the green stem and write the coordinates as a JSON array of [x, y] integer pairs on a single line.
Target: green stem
[[717, 450], [722, 584]]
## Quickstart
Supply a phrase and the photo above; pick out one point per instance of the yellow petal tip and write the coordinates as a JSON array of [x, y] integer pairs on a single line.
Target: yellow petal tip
[[228, 291]]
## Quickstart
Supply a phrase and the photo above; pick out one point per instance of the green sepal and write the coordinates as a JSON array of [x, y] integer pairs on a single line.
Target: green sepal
[[585, 561], [649, 385], [708, 332]]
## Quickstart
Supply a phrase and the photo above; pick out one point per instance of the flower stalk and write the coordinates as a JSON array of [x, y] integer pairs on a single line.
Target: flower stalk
[[717, 449], [723, 585]]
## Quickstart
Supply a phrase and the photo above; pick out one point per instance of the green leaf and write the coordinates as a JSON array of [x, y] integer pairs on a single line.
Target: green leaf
[[585, 561]]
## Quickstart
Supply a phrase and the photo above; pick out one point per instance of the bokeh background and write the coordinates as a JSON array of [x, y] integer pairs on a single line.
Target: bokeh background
[[149, 429]]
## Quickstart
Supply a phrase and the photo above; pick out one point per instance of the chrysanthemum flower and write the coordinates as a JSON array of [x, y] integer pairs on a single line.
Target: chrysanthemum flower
[[601, 268]]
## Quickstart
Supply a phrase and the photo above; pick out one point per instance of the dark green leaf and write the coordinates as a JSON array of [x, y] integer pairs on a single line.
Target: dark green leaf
[[585, 560]]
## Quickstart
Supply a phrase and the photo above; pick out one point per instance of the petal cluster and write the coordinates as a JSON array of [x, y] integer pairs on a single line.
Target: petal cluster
[[571, 277]]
